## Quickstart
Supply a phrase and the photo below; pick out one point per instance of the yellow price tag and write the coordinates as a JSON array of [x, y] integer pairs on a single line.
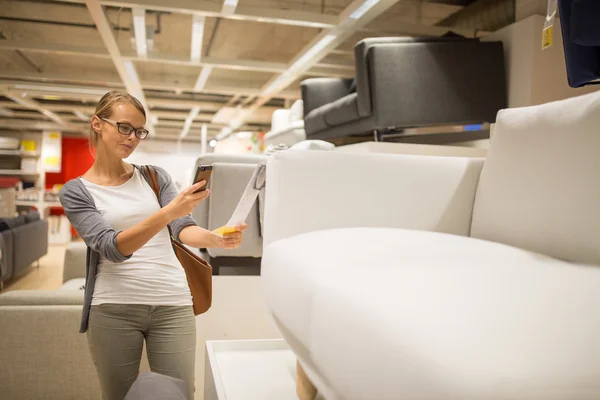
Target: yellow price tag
[[52, 161], [547, 36], [225, 230]]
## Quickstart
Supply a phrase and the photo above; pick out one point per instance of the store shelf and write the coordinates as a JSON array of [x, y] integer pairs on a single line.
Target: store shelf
[[31, 154], [17, 172], [27, 203]]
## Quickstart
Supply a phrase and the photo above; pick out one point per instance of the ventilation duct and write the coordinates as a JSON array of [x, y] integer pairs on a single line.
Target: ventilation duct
[[484, 15]]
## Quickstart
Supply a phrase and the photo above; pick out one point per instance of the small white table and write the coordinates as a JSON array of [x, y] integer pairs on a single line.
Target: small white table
[[249, 369]]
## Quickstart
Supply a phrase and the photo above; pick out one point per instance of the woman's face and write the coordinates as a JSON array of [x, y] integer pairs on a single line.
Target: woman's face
[[111, 140]]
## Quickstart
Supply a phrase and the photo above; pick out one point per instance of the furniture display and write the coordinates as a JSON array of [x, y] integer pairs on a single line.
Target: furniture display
[[23, 241], [287, 126], [230, 175], [42, 353], [407, 83], [444, 277]]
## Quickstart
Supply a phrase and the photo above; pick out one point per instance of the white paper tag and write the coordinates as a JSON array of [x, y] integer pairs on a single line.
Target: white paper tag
[[256, 183]]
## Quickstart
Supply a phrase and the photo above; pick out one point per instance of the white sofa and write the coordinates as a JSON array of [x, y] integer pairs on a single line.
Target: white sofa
[[287, 126], [415, 277]]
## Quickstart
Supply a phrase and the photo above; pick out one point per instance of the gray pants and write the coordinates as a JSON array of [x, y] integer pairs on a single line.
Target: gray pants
[[116, 336]]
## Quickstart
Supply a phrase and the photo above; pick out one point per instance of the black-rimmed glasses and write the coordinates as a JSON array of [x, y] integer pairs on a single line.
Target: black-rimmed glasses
[[125, 129]]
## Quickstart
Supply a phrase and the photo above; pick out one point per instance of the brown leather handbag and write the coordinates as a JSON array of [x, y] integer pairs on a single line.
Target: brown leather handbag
[[198, 271]]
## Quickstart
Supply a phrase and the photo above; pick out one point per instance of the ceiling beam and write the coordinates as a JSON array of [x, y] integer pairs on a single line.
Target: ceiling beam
[[103, 81], [5, 112], [125, 68], [22, 99], [246, 13], [239, 65]]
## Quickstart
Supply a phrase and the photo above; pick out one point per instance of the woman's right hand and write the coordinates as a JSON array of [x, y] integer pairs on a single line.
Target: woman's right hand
[[186, 201]]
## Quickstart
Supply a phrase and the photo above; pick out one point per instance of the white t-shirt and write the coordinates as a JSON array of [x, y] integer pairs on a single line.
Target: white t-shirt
[[153, 274]]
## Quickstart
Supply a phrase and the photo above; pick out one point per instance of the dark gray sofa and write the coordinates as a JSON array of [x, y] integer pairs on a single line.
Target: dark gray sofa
[[406, 82], [23, 240]]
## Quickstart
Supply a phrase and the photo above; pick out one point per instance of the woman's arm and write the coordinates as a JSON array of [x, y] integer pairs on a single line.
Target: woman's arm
[[118, 246], [200, 238], [132, 239]]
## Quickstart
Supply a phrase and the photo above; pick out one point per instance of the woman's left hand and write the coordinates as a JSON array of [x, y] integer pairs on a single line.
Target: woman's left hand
[[231, 240]]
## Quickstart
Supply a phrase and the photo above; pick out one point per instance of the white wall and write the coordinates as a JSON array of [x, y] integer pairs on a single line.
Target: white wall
[[535, 76], [178, 160]]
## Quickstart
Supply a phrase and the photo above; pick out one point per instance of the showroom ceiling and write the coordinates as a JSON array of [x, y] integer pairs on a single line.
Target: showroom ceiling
[[224, 65]]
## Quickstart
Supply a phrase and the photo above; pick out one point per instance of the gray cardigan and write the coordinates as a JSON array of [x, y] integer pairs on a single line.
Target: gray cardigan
[[99, 236]]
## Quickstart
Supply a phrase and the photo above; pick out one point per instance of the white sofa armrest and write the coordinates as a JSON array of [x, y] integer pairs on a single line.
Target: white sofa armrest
[[315, 190]]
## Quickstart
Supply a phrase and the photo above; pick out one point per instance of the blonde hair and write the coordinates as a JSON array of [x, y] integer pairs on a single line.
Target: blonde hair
[[104, 109]]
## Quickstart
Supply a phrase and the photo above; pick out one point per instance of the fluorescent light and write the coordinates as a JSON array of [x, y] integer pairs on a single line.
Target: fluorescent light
[[139, 27], [133, 77], [100, 92], [224, 133], [283, 79], [203, 139], [5, 112], [202, 78], [81, 115], [312, 52], [363, 9], [229, 7], [197, 36], [189, 121]]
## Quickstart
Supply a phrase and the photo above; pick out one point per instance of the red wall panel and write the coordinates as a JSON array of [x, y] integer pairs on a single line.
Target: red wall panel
[[76, 160]]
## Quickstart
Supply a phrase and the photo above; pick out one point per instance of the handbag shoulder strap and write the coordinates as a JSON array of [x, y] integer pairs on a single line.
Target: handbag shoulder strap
[[153, 181]]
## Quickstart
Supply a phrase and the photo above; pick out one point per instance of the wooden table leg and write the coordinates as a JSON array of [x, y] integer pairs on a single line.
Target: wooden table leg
[[304, 387]]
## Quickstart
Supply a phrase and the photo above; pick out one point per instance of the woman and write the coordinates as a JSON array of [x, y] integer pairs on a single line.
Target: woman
[[135, 289]]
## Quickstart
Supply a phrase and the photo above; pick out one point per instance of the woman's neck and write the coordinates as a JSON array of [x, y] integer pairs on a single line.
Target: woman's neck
[[109, 168]]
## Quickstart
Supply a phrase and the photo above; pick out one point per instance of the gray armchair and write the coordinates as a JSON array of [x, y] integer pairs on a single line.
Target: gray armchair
[[404, 83], [231, 173]]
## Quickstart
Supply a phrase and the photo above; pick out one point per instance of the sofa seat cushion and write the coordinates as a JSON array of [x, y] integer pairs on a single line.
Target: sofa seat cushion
[[382, 312], [342, 111], [315, 120], [73, 284], [42, 298]]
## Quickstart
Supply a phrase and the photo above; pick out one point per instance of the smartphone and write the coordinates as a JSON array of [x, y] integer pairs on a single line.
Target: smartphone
[[202, 174]]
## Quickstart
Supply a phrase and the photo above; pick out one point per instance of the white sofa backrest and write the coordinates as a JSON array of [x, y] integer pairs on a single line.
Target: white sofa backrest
[[280, 119], [540, 185], [297, 111]]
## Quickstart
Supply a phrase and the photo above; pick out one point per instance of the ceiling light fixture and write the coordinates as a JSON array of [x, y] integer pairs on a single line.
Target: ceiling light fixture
[[197, 37], [203, 78], [229, 7], [312, 52], [189, 121], [363, 9], [81, 115], [139, 27]]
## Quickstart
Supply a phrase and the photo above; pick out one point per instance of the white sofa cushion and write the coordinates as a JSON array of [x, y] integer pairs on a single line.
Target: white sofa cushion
[[540, 185], [383, 313]]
